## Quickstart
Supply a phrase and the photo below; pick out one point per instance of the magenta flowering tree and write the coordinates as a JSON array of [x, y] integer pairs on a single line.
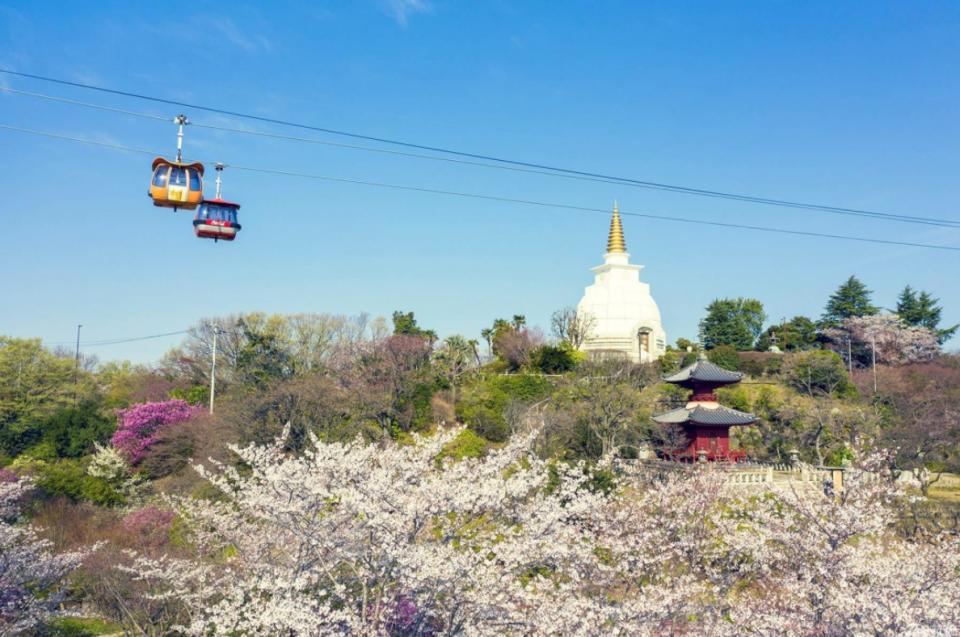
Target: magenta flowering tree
[[140, 425]]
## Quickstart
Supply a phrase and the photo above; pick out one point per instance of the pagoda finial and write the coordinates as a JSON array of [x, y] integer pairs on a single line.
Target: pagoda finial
[[615, 240]]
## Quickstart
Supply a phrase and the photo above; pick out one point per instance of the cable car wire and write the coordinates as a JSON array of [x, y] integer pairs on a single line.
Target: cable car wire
[[502, 199], [73, 102], [875, 215], [557, 170]]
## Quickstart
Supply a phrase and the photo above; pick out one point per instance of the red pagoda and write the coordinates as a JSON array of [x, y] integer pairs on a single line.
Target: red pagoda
[[705, 421]]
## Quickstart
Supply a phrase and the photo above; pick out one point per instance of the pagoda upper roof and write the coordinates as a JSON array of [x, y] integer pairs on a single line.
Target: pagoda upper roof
[[705, 372], [701, 415]]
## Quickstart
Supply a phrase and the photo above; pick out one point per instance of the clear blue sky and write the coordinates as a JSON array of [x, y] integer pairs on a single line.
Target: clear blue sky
[[849, 104]]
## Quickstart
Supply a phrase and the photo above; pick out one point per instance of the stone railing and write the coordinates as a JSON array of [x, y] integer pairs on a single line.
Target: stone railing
[[743, 472]]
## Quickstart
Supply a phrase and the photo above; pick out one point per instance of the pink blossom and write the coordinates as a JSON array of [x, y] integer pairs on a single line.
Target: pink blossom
[[147, 519], [149, 525], [140, 425]]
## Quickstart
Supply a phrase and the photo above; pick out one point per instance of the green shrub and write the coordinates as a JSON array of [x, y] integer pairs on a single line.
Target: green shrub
[[553, 360], [422, 418], [68, 478], [752, 367], [673, 394], [73, 431], [17, 436], [725, 356], [67, 433], [819, 372], [735, 397], [482, 404], [43, 450], [79, 627], [195, 394], [467, 444], [759, 364], [774, 366], [670, 361]]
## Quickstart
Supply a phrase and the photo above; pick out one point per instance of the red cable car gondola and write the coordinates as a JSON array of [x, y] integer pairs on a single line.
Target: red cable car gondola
[[217, 219], [175, 184]]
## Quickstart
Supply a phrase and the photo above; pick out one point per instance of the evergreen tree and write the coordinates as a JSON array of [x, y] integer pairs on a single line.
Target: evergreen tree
[[405, 324], [922, 310], [797, 334], [851, 299], [734, 322], [262, 358]]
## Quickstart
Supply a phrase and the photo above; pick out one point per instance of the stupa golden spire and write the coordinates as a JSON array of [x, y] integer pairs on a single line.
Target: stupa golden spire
[[615, 240]]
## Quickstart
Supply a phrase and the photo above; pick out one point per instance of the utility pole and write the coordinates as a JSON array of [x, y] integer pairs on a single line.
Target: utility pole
[[213, 367], [873, 354], [76, 367]]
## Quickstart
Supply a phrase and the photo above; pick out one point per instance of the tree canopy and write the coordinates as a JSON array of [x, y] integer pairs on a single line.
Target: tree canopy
[[852, 298], [797, 334], [405, 324], [921, 309], [735, 322]]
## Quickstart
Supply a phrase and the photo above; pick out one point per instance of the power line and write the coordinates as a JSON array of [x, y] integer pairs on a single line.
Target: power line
[[701, 192], [502, 199], [308, 140], [117, 341], [54, 98]]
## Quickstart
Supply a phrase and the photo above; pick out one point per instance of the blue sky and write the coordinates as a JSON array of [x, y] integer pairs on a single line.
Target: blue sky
[[848, 104]]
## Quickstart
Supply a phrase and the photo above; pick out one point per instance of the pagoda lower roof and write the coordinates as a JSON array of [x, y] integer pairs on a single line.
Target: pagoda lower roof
[[700, 415], [705, 372]]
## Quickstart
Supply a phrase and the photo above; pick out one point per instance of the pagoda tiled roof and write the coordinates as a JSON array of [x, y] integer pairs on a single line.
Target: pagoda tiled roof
[[701, 415], [704, 371]]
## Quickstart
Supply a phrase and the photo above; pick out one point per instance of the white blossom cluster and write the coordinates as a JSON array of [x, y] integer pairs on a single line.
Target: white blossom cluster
[[108, 464], [387, 540], [31, 576], [889, 337]]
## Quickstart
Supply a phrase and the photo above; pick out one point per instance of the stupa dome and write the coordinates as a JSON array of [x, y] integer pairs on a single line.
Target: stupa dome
[[623, 317]]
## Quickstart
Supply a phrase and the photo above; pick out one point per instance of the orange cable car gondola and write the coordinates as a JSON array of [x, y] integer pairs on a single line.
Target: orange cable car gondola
[[217, 219], [175, 184]]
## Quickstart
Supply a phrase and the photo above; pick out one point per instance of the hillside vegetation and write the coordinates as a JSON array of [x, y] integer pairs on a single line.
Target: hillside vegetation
[[102, 487]]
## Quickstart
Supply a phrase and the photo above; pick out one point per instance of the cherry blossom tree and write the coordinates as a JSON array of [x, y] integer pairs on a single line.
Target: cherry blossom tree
[[831, 565], [896, 342], [347, 538], [387, 539], [31, 575]]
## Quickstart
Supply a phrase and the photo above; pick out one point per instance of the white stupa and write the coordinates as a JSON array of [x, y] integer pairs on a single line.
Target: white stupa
[[624, 319]]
